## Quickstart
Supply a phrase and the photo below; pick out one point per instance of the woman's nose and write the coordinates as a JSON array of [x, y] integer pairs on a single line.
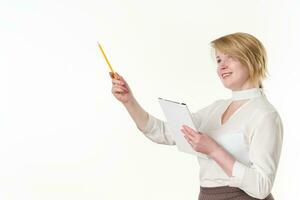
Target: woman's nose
[[223, 64]]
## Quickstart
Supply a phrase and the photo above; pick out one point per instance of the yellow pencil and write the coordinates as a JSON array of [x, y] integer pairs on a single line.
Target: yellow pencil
[[110, 67]]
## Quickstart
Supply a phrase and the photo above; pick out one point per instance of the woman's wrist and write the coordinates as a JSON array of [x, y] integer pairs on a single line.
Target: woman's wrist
[[216, 152], [131, 102], [137, 113], [224, 159]]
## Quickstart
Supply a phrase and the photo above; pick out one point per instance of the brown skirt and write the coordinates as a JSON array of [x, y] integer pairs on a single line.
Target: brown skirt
[[226, 193]]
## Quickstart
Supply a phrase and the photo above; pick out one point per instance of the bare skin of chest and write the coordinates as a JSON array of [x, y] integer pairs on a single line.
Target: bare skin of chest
[[231, 109]]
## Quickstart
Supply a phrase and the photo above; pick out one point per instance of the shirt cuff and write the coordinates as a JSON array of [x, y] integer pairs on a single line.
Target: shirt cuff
[[238, 173]]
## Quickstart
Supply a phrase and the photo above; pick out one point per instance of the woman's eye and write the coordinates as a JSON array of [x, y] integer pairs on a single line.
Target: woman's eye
[[218, 61]]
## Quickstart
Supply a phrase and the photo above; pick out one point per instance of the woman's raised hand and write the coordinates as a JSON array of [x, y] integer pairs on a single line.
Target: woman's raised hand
[[120, 88]]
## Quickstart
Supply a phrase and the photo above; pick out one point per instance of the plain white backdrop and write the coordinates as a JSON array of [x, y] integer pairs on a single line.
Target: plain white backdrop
[[63, 135]]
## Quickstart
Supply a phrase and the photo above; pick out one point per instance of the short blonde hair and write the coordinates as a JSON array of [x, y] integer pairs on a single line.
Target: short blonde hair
[[246, 49]]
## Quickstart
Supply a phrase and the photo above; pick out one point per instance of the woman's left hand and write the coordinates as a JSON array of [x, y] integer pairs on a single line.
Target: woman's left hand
[[199, 141]]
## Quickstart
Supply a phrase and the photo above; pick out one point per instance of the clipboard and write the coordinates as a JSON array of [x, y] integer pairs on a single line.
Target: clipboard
[[178, 114]]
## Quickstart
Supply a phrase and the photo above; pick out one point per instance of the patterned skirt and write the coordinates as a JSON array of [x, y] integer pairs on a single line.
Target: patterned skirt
[[226, 193]]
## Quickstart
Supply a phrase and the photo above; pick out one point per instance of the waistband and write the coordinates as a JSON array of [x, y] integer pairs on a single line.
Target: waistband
[[219, 190]]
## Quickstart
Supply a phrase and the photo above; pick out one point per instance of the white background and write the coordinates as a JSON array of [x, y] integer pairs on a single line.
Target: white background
[[62, 133]]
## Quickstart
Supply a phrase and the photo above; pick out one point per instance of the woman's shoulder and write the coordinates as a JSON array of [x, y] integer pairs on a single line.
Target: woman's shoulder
[[264, 114], [264, 110], [263, 106]]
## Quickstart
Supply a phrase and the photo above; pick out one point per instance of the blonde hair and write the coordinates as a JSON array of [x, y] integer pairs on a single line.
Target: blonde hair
[[246, 49]]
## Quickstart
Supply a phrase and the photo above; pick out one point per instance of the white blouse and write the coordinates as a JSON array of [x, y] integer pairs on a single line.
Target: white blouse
[[256, 132]]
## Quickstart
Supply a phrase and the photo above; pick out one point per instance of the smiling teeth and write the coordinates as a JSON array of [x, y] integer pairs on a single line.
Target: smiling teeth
[[226, 74]]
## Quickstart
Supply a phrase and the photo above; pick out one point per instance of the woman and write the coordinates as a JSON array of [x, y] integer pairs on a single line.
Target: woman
[[246, 168]]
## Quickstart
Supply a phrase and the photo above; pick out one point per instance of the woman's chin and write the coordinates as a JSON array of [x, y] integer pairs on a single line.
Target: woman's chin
[[227, 85]]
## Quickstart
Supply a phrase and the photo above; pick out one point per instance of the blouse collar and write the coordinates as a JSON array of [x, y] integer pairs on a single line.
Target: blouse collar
[[246, 94]]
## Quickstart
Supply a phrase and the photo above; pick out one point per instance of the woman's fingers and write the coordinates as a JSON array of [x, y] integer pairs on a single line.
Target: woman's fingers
[[119, 88], [114, 81], [120, 78], [188, 137], [189, 141], [118, 75], [188, 131], [114, 75]]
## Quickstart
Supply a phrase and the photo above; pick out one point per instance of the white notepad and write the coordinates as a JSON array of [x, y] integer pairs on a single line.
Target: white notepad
[[178, 114]]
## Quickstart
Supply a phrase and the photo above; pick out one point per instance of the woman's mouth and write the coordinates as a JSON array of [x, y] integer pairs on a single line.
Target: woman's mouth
[[225, 75]]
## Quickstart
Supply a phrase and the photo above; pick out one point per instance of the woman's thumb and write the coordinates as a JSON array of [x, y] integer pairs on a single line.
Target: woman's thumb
[[119, 77]]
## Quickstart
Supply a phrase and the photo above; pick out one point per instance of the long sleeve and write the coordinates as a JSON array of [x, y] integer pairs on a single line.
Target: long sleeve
[[158, 131], [264, 153]]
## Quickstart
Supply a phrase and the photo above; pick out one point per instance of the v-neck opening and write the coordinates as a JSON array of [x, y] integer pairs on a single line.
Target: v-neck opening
[[233, 114]]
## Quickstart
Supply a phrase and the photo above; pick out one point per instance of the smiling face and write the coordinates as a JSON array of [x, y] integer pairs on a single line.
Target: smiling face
[[247, 66], [232, 73]]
